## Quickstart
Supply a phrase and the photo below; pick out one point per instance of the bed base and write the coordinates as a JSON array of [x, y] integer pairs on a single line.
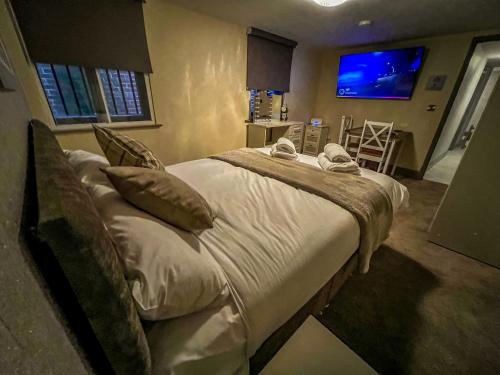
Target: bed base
[[314, 307]]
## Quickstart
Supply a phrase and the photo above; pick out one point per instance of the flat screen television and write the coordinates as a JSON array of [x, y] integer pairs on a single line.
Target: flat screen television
[[388, 74]]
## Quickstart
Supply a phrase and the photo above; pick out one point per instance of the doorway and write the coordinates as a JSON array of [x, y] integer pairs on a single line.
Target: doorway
[[477, 85]]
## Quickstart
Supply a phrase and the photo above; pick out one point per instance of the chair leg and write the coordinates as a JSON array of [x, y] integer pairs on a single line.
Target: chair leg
[[389, 156]]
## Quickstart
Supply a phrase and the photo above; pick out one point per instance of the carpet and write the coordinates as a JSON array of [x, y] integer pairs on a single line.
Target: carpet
[[422, 309]]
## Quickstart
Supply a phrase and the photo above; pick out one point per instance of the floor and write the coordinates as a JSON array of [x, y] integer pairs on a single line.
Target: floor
[[444, 170], [421, 309]]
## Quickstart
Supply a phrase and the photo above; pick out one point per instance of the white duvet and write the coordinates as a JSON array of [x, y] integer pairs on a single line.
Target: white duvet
[[277, 246], [398, 193]]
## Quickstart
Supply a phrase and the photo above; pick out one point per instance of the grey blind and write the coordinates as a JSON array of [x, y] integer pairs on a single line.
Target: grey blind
[[269, 61], [90, 33]]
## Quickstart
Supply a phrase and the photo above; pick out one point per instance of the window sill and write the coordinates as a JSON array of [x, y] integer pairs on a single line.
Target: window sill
[[115, 125]]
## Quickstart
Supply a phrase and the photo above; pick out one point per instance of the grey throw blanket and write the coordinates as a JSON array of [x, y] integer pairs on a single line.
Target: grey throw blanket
[[365, 199]]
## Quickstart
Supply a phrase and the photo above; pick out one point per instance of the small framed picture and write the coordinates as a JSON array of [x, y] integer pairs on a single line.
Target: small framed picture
[[7, 76]]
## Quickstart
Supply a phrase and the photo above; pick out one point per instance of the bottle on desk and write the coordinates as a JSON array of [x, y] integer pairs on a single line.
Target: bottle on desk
[[284, 113]]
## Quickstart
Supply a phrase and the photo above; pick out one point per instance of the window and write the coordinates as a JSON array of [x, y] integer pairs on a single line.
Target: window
[[78, 95]]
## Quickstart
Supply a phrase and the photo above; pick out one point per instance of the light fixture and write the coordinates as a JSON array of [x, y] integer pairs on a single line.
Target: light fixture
[[365, 23], [329, 3]]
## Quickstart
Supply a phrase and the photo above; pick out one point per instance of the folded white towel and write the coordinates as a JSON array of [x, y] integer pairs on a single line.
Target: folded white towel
[[285, 145], [336, 153], [282, 155], [349, 167]]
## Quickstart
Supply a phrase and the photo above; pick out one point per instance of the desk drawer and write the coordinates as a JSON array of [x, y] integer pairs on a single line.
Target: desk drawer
[[313, 137], [310, 148], [295, 130], [297, 142], [313, 131]]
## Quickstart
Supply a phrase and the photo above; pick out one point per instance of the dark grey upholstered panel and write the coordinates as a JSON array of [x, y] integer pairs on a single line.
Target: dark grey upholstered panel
[[70, 225], [269, 61], [91, 33], [33, 334]]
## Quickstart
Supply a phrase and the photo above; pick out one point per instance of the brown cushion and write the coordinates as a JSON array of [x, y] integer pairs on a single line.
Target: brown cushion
[[70, 225], [125, 151], [163, 195]]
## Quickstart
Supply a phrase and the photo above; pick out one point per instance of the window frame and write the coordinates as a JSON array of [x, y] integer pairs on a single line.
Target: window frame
[[104, 118]]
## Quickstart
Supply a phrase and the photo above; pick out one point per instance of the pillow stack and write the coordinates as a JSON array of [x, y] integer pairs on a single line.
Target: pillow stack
[[284, 149], [336, 159], [168, 272]]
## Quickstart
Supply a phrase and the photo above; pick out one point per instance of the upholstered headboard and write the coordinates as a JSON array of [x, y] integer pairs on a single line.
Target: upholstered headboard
[[70, 225]]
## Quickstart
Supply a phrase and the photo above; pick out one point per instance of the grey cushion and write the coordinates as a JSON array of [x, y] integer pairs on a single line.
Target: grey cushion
[[163, 195], [71, 226], [123, 150]]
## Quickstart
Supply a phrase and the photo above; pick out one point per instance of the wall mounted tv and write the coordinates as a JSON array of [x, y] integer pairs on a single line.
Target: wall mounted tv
[[388, 74]]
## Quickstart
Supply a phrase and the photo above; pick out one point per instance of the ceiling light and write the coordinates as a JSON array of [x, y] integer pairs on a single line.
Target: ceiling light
[[329, 3], [364, 23]]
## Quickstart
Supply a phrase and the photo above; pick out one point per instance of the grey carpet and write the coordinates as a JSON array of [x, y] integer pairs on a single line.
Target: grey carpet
[[421, 309]]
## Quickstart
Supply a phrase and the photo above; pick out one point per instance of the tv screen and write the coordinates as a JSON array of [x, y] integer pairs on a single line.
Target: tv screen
[[380, 75]]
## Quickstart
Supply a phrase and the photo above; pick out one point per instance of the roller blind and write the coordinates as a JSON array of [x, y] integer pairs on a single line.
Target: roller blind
[[269, 61], [89, 33]]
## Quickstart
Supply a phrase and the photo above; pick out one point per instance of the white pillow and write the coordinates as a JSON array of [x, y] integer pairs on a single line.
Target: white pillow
[[169, 272]]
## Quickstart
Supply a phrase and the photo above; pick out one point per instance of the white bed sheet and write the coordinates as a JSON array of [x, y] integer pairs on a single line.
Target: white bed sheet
[[277, 245], [400, 197]]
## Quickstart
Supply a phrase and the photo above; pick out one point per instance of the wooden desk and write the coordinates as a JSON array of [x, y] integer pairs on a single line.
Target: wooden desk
[[262, 134], [397, 141]]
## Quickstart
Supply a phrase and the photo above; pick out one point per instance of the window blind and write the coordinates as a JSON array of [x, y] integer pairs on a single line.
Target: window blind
[[269, 61], [89, 33]]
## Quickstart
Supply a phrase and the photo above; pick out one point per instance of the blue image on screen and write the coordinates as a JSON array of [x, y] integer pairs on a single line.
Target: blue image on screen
[[380, 75]]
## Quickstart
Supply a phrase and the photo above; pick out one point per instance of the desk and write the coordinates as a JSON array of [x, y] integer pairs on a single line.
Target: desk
[[262, 134], [397, 141]]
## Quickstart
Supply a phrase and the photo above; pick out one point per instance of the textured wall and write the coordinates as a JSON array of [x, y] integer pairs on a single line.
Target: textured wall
[[446, 56], [33, 339], [198, 85]]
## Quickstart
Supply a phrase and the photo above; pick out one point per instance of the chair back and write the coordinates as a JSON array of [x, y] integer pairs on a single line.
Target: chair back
[[346, 124], [374, 140]]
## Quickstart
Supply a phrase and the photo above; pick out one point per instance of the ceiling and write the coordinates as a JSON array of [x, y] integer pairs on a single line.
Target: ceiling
[[309, 23]]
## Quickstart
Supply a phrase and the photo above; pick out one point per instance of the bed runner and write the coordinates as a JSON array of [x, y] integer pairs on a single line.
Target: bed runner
[[365, 199]]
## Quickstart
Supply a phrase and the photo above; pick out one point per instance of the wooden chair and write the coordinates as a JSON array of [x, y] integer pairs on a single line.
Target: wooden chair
[[346, 124], [374, 143], [350, 143]]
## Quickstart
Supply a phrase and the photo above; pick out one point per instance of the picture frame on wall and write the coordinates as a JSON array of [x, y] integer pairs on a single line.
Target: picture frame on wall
[[7, 76]]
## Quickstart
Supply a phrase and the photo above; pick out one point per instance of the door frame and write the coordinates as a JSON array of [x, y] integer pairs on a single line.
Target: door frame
[[475, 41]]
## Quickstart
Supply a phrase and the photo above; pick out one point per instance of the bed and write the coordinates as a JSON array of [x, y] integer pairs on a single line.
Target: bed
[[285, 253]]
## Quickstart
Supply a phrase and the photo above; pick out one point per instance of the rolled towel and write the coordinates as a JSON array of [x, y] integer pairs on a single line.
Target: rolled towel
[[285, 145], [336, 153], [282, 155], [349, 167]]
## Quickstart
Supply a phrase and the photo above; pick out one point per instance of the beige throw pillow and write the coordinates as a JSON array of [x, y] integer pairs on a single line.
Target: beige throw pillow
[[163, 195], [125, 151]]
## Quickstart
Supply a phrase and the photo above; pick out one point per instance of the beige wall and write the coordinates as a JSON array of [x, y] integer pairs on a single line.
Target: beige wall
[[198, 85], [304, 83], [446, 56], [199, 93]]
